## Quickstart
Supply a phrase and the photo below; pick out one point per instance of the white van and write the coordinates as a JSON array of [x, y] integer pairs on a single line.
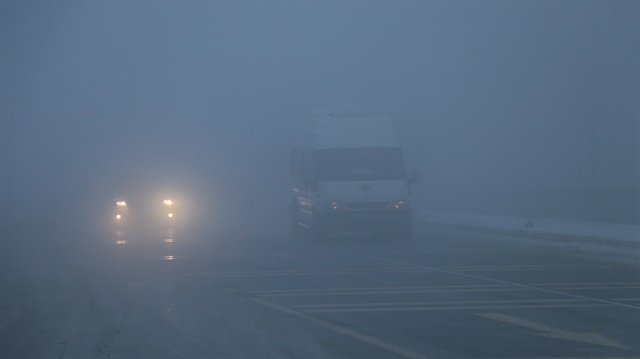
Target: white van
[[350, 176]]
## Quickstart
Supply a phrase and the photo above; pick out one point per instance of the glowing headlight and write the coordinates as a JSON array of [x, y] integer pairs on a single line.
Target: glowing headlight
[[121, 203], [168, 202], [399, 204], [170, 215], [332, 205], [118, 216]]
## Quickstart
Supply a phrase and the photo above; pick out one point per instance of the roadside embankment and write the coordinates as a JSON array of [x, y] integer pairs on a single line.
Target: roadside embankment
[[593, 237]]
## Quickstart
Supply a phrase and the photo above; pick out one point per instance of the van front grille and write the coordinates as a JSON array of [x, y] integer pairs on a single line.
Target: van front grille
[[367, 205]]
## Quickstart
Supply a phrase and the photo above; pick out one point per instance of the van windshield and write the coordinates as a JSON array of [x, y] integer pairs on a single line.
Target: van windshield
[[358, 164]]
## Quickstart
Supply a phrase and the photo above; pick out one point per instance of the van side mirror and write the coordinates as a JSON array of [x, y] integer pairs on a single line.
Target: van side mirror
[[415, 176]]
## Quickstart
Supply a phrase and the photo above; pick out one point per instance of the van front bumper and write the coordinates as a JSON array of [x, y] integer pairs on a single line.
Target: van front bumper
[[349, 220]]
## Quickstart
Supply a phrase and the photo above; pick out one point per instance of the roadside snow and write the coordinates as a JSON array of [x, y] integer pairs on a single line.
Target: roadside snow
[[629, 234]]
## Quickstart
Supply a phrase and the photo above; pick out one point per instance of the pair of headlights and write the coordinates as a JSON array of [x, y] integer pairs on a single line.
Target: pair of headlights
[[121, 203], [119, 216], [337, 205]]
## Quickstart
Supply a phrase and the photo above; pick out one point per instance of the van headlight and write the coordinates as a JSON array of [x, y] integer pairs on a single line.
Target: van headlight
[[332, 205], [399, 204]]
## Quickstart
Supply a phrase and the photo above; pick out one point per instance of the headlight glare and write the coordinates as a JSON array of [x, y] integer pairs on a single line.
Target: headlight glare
[[333, 205], [399, 204]]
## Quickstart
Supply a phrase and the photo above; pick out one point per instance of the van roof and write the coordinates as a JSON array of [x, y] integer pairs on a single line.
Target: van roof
[[352, 131]]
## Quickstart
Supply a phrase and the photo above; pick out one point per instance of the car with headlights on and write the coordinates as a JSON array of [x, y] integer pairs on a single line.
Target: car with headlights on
[[146, 212]]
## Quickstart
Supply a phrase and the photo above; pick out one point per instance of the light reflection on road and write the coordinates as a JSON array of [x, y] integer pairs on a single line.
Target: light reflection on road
[[120, 240], [150, 239], [168, 239]]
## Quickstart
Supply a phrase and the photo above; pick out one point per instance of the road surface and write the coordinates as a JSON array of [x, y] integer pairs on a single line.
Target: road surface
[[200, 294]]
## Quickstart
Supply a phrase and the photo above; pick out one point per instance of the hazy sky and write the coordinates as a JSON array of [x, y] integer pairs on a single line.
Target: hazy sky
[[493, 93]]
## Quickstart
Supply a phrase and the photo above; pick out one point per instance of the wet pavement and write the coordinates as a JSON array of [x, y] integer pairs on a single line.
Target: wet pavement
[[174, 293]]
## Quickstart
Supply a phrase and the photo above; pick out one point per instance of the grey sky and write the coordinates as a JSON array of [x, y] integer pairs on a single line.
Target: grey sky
[[492, 93]]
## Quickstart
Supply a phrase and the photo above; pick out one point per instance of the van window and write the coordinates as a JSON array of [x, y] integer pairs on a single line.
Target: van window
[[359, 164]]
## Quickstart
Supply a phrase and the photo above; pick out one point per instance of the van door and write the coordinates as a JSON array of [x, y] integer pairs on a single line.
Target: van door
[[303, 193]]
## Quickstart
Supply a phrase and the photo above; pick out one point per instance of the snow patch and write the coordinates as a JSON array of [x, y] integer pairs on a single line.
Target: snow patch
[[603, 232]]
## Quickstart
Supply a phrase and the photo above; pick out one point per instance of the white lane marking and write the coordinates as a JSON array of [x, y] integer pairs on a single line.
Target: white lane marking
[[378, 270], [596, 288], [470, 290], [357, 289], [513, 269], [450, 308], [234, 256], [450, 303], [547, 331], [367, 290], [552, 291], [363, 269], [438, 251], [585, 284], [582, 357], [355, 271], [525, 267], [487, 279], [344, 331]]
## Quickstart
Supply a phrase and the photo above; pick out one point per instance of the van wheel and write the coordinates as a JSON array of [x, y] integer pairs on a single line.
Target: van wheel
[[316, 231], [296, 229], [405, 231], [317, 234]]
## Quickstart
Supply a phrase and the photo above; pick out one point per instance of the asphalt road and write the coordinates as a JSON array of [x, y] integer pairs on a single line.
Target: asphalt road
[[181, 294]]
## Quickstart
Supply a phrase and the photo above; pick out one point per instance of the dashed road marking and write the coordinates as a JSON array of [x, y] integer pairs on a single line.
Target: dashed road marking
[[547, 331], [461, 307], [392, 292], [376, 289], [581, 357], [353, 271], [493, 280], [524, 267], [342, 330], [596, 288], [426, 303], [587, 284]]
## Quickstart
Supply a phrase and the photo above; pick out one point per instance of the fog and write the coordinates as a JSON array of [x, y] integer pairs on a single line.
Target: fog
[[510, 97]]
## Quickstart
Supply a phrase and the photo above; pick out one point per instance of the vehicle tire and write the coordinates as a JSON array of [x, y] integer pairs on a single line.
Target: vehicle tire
[[405, 231], [316, 231], [296, 229], [317, 234]]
